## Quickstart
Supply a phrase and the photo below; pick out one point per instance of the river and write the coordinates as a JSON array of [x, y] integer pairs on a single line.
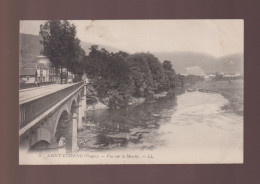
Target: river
[[189, 128]]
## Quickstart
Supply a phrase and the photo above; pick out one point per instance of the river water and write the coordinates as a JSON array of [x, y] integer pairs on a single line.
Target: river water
[[189, 128]]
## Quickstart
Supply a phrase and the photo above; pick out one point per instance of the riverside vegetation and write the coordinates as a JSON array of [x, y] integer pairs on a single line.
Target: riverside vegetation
[[117, 79]]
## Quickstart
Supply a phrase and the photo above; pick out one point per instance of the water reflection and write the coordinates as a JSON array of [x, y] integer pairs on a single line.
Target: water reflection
[[193, 124], [109, 129]]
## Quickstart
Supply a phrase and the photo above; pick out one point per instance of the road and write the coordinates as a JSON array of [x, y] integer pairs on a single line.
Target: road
[[27, 95]]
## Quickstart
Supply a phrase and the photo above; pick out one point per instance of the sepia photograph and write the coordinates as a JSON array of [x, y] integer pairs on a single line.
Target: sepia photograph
[[131, 91]]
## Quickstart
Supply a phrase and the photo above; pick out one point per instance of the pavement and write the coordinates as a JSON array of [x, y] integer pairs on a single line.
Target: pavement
[[30, 94]]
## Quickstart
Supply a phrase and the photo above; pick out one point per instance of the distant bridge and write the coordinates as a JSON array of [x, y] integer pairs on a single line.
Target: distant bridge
[[45, 111]]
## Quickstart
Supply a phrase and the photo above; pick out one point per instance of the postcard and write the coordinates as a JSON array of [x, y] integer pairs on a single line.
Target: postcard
[[131, 91]]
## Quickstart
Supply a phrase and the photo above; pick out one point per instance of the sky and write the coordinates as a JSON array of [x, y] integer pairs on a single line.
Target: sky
[[215, 37]]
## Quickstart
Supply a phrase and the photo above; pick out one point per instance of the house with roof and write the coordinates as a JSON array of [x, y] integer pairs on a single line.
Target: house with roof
[[28, 75], [39, 69]]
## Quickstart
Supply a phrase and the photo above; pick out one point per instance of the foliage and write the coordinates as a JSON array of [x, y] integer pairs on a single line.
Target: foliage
[[219, 77], [61, 45], [91, 95], [115, 99], [167, 66], [109, 76], [140, 74], [180, 80], [192, 79], [116, 77], [171, 79]]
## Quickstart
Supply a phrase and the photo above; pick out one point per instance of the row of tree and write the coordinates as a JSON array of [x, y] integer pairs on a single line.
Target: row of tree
[[61, 46], [115, 77]]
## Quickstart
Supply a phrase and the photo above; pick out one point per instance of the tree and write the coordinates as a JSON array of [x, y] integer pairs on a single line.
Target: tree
[[219, 77], [109, 75], [170, 75], [60, 45], [167, 65], [147, 73], [157, 72], [141, 74], [116, 77]]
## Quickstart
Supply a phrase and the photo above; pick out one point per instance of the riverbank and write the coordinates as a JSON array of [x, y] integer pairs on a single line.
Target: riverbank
[[233, 91], [140, 100], [170, 125]]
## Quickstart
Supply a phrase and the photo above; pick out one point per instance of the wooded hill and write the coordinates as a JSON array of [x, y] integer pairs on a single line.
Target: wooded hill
[[30, 48]]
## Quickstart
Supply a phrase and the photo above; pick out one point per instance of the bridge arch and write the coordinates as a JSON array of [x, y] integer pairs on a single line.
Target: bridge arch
[[46, 126], [74, 101], [63, 113], [73, 106], [78, 98], [41, 138]]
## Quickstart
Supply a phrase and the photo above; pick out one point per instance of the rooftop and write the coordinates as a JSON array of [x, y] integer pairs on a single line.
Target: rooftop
[[27, 71]]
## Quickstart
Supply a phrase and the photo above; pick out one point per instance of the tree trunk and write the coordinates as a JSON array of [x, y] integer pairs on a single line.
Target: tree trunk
[[67, 75], [56, 74], [61, 75]]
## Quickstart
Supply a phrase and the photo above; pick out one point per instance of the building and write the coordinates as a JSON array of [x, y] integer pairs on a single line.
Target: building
[[194, 70], [28, 75], [209, 77], [39, 69]]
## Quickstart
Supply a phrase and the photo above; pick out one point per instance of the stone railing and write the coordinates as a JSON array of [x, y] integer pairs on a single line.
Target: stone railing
[[33, 109]]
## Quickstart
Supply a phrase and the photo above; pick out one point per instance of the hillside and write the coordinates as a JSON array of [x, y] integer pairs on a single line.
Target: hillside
[[232, 62], [86, 45], [30, 47], [183, 62]]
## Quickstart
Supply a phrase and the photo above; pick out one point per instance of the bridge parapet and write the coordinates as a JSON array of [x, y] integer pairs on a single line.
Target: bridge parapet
[[33, 109]]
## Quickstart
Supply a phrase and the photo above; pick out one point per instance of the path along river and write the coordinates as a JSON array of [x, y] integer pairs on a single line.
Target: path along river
[[190, 128]]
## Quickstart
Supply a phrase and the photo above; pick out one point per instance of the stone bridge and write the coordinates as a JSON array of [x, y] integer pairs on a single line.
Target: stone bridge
[[43, 118]]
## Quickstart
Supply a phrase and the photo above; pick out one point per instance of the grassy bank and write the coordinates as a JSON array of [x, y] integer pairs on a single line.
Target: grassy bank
[[233, 91]]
